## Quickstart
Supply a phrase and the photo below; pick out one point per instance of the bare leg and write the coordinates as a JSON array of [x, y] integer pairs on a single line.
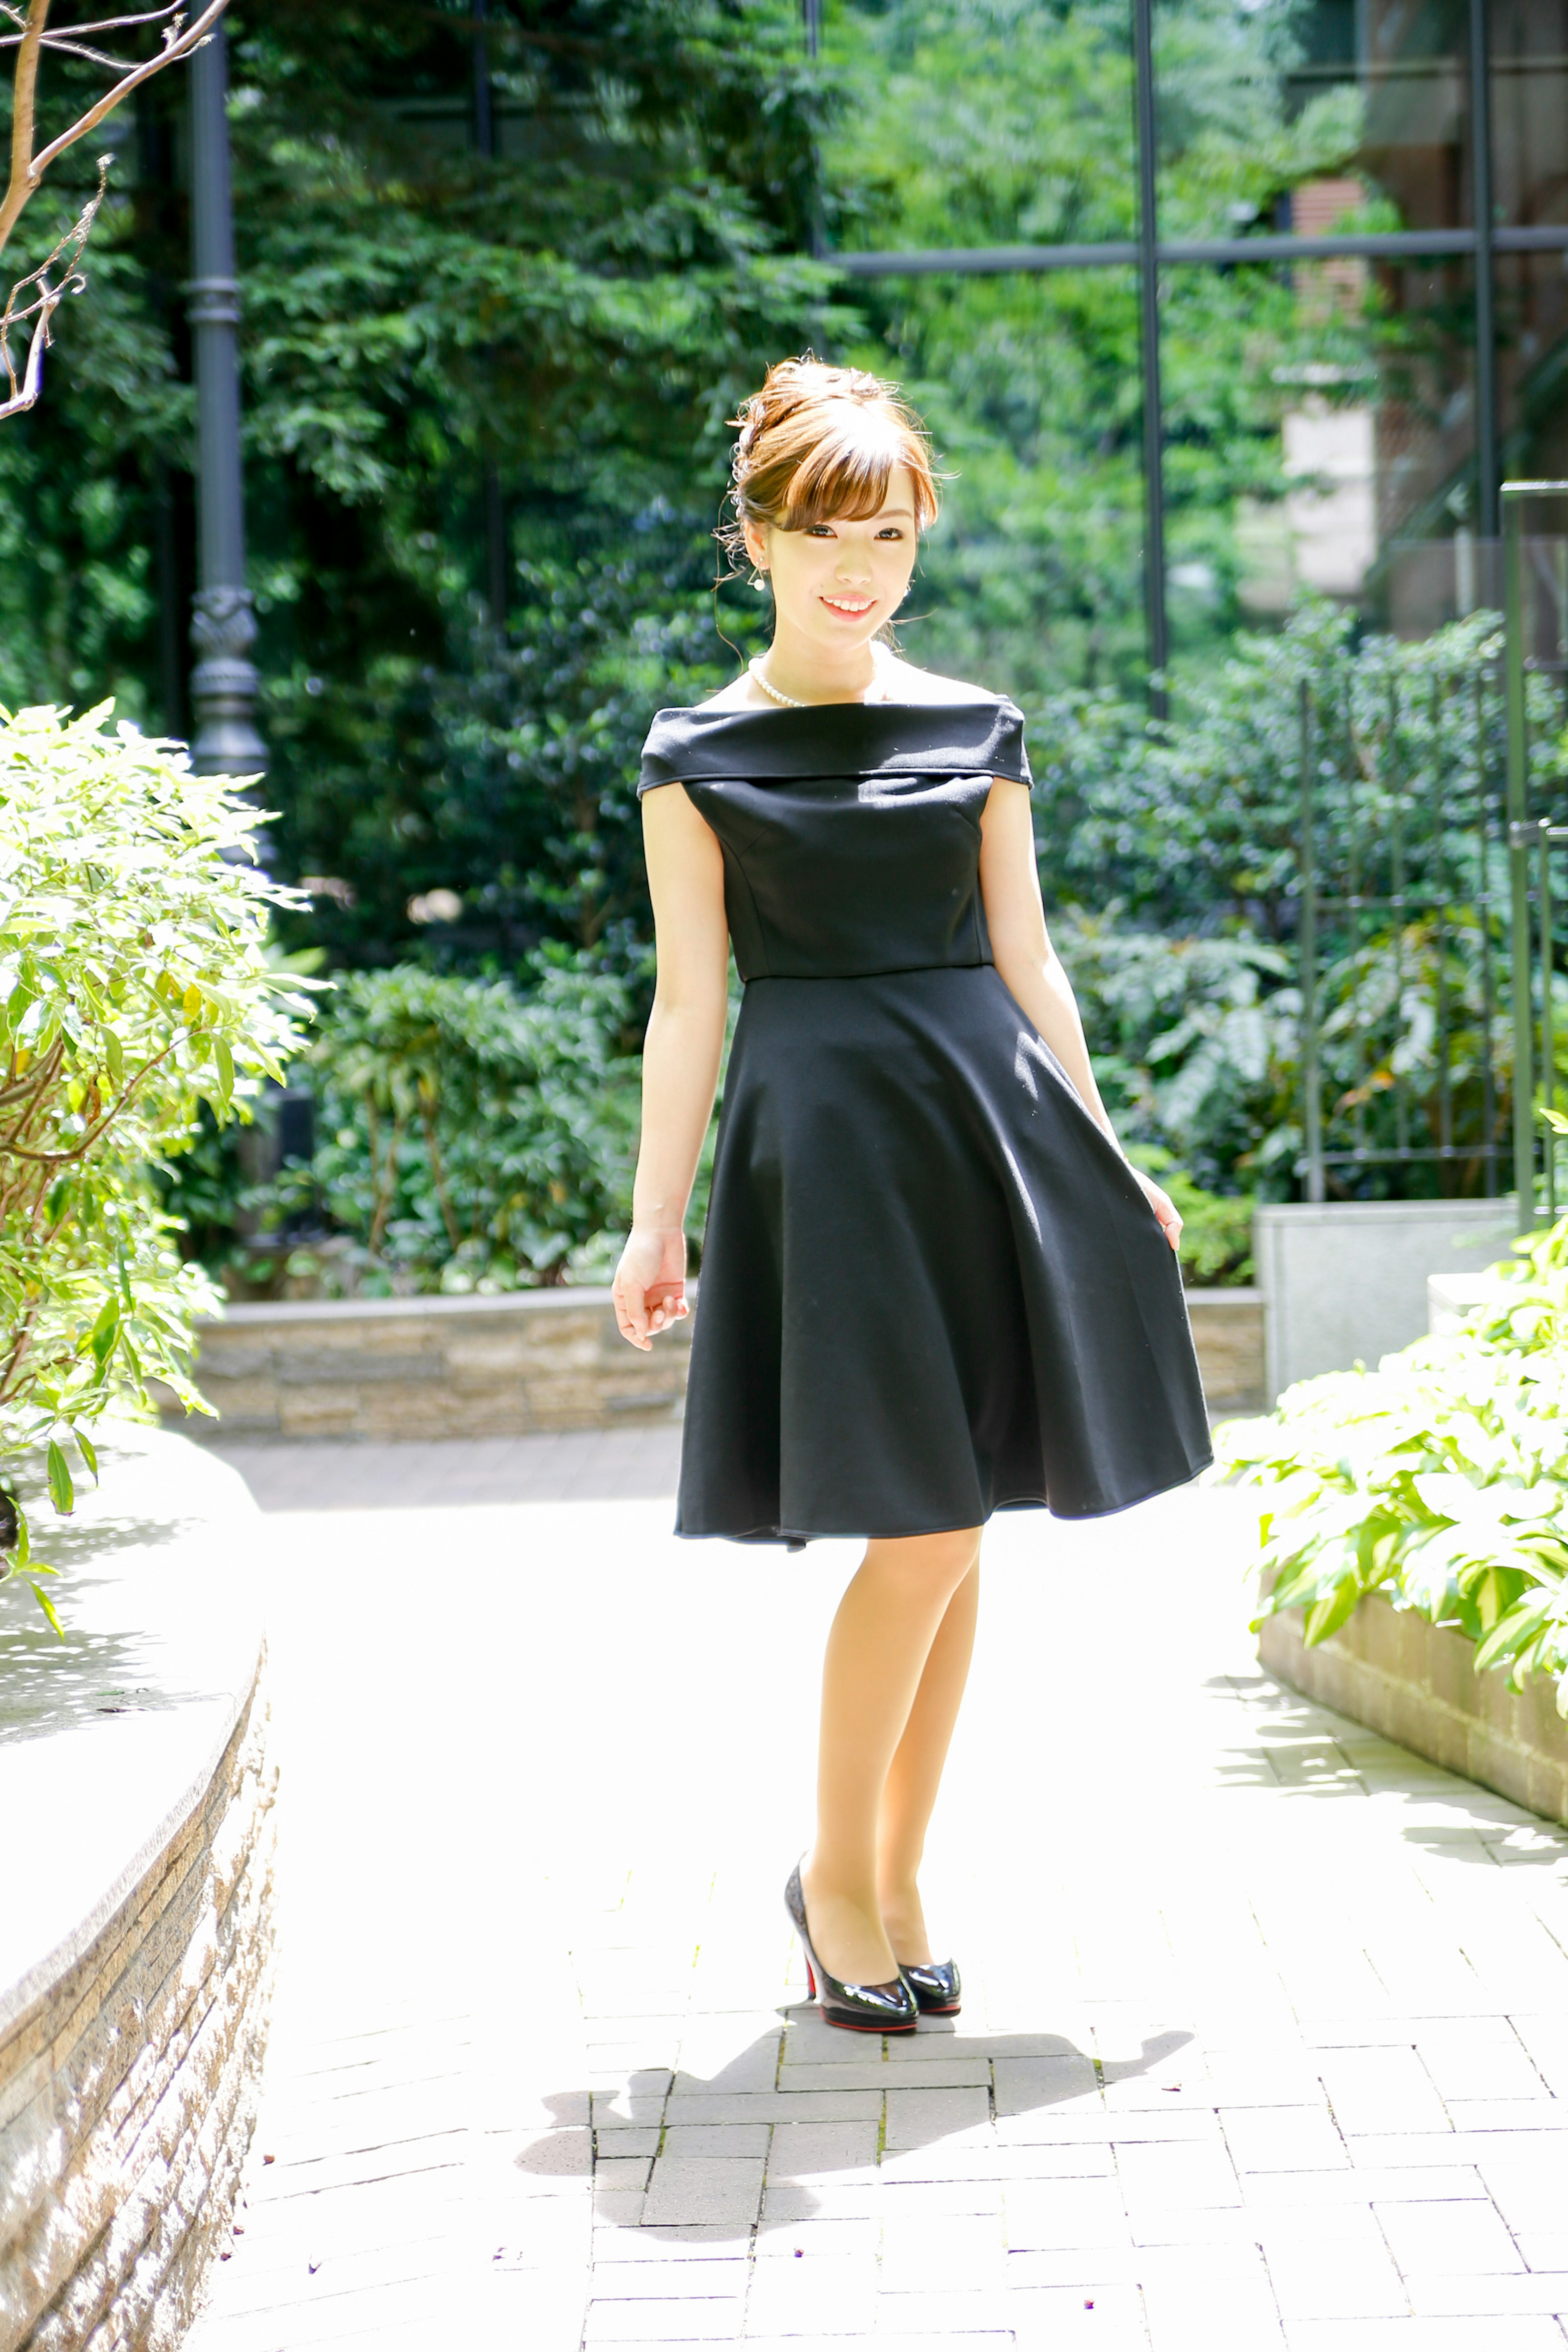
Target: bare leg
[[877, 1654], [915, 1774]]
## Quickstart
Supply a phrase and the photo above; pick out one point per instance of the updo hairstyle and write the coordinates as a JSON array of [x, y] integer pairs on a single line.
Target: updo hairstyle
[[818, 444]]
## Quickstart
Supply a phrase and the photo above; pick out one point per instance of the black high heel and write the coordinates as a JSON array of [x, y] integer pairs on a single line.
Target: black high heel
[[936, 1985], [861, 2009]]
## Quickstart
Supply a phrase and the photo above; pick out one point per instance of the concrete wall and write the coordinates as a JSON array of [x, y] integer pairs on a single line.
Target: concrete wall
[[528, 1360], [1345, 1281], [135, 1929], [388, 1368], [1227, 1331], [1416, 1683]]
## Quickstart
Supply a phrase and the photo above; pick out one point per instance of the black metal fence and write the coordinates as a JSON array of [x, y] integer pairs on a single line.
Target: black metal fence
[[1535, 590], [1402, 958], [1433, 803]]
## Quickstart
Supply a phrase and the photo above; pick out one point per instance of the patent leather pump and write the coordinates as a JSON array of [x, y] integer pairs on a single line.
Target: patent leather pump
[[936, 1985], [860, 2009]]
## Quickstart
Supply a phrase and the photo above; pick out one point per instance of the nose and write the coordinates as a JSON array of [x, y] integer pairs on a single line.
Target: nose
[[854, 564]]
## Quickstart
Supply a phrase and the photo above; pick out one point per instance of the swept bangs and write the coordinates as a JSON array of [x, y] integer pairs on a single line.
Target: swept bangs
[[844, 476], [820, 444]]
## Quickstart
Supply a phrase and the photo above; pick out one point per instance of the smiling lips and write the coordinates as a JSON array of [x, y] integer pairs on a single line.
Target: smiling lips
[[852, 604]]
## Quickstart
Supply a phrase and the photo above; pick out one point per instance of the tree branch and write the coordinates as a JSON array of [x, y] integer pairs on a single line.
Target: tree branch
[[175, 45], [27, 169], [24, 118], [104, 23], [50, 296]]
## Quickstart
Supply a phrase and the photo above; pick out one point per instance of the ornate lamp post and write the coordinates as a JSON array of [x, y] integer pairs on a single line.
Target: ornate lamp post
[[223, 623]]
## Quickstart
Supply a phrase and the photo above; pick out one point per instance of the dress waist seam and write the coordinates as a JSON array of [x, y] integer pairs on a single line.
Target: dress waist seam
[[883, 971]]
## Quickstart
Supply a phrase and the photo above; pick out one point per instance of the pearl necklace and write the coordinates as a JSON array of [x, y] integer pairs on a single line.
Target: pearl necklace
[[790, 702]]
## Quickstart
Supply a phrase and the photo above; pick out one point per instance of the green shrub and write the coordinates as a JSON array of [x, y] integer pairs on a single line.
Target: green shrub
[[133, 989], [469, 1137], [1441, 1478], [1216, 1227]]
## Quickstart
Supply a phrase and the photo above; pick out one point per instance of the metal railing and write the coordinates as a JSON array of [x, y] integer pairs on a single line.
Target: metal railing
[[1399, 838], [1536, 638], [1432, 802]]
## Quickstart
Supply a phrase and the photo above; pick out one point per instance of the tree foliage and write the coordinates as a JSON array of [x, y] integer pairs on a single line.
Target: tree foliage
[[471, 1138], [133, 989]]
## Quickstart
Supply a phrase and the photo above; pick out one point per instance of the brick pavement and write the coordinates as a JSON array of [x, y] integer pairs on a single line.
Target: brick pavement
[[1265, 2041]]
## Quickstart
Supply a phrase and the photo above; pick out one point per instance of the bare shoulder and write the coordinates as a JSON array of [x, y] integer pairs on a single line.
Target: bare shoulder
[[906, 683]]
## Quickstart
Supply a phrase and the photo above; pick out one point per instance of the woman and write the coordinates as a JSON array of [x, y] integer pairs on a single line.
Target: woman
[[932, 1288]]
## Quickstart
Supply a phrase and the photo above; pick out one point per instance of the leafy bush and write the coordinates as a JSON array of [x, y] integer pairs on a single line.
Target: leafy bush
[[1194, 1044], [1182, 839], [1216, 1227], [1440, 1480], [469, 1137], [133, 989]]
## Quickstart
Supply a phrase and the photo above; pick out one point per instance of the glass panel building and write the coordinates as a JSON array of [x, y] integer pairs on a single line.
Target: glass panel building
[[1210, 304]]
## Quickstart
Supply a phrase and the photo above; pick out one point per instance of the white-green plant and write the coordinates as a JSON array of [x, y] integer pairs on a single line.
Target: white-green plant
[[1441, 1478], [134, 987]]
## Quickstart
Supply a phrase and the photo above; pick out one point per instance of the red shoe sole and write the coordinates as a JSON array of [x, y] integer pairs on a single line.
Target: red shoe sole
[[846, 2025]]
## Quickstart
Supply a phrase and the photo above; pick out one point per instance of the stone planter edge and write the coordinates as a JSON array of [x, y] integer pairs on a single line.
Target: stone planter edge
[[134, 1984], [1416, 1683]]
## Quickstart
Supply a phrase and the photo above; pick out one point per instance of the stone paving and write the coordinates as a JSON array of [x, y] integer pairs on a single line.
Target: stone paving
[[1265, 2041]]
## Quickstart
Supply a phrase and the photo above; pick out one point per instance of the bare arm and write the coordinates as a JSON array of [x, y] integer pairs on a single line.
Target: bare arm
[[681, 1058], [1029, 966]]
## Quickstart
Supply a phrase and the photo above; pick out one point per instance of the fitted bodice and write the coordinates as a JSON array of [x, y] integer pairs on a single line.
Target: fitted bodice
[[850, 831]]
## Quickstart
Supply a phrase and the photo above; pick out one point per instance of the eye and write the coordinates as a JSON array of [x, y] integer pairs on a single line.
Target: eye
[[890, 530], [819, 531]]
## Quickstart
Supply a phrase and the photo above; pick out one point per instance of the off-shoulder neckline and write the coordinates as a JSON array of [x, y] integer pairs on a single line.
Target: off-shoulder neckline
[[980, 701], [982, 735]]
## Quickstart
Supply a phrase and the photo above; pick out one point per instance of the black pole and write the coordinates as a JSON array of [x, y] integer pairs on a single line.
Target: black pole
[[1148, 288], [223, 624], [494, 504], [484, 91], [811, 12], [1488, 462]]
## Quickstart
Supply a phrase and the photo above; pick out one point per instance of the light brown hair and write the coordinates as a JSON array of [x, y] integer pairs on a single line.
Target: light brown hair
[[820, 443]]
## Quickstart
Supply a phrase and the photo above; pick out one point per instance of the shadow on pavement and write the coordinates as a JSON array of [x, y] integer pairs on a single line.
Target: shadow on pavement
[[708, 2178]]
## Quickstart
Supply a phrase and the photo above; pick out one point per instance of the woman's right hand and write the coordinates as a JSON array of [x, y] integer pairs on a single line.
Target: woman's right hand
[[649, 1289]]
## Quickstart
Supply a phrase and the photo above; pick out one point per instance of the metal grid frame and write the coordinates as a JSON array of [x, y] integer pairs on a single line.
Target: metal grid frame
[[1151, 254]]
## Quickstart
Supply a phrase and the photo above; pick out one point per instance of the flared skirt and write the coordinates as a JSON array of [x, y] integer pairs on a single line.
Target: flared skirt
[[930, 1287]]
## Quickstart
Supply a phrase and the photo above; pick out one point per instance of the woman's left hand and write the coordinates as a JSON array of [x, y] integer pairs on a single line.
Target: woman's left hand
[[1164, 1208]]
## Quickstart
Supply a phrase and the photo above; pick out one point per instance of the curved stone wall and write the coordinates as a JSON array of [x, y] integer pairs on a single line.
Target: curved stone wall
[[135, 1934]]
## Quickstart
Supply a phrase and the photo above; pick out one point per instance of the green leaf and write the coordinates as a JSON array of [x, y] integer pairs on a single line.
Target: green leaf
[[225, 1060], [47, 1606], [106, 1331], [1326, 1616], [114, 1058], [88, 1452], [62, 1494], [1512, 1632]]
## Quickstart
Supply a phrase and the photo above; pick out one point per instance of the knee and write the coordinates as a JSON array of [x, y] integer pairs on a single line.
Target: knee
[[938, 1563]]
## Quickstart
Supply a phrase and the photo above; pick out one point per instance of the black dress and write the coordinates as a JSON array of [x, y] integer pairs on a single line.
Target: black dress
[[930, 1287]]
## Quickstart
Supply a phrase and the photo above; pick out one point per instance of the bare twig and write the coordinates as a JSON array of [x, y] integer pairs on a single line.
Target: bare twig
[[27, 169], [51, 294], [57, 45], [104, 23]]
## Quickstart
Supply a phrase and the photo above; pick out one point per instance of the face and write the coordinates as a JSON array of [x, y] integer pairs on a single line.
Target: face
[[835, 584]]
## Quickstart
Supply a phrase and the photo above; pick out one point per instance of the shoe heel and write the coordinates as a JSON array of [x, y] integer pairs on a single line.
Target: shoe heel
[[810, 1981], [863, 2008]]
